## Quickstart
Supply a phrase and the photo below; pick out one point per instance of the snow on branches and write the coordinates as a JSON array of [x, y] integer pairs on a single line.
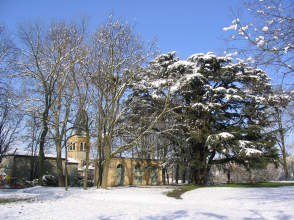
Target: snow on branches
[[268, 32], [217, 104]]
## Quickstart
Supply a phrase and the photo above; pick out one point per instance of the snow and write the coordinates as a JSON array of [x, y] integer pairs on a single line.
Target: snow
[[234, 26], [226, 135], [149, 203], [243, 143], [19, 152], [249, 151]]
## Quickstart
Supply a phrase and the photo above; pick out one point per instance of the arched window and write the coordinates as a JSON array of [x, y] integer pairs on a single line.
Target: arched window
[[85, 147], [74, 146], [70, 146], [138, 175], [81, 147], [120, 175], [120, 166]]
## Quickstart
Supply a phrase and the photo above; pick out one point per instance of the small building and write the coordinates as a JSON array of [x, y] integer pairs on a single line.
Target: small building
[[132, 171], [24, 164], [122, 171]]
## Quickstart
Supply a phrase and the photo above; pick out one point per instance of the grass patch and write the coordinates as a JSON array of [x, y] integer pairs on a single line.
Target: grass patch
[[176, 193], [12, 200], [253, 185]]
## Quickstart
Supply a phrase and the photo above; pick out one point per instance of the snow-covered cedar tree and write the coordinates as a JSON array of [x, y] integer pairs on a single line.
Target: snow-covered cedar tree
[[220, 109], [268, 32]]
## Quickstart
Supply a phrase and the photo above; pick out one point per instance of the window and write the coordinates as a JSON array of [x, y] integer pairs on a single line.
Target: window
[[81, 147], [70, 146], [85, 147], [119, 166], [74, 146]]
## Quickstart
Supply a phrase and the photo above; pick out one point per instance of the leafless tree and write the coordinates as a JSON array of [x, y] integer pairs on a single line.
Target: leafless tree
[[118, 55], [44, 49], [268, 35], [9, 121]]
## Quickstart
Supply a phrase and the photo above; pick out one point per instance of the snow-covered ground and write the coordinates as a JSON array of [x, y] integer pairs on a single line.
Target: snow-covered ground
[[149, 203]]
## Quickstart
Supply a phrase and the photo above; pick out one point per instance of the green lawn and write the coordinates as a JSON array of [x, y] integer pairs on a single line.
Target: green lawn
[[11, 200], [176, 193], [252, 185]]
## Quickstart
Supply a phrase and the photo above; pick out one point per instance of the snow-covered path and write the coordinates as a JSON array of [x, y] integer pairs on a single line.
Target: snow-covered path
[[149, 203]]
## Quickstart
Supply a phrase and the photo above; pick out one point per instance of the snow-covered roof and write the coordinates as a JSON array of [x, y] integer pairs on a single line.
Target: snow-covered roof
[[19, 152], [71, 160], [89, 168]]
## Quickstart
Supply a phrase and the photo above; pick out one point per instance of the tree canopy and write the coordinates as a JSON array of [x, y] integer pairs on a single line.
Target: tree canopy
[[220, 109]]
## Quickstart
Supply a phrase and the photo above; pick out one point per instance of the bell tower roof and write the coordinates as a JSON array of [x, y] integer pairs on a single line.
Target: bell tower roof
[[79, 124]]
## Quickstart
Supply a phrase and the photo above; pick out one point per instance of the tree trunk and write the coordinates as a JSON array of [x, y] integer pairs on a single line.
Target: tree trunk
[[105, 172], [163, 176], [33, 164], [87, 169], [285, 164], [184, 176], [65, 169], [282, 144], [198, 176], [87, 153], [106, 167], [42, 143], [100, 167], [177, 174], [59, 168], [41, 164]]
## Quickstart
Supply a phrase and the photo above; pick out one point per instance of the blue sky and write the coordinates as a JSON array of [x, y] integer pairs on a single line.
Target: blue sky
[[186, 26]]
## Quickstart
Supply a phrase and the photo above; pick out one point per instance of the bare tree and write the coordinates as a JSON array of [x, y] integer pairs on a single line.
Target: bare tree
[[117, 57], [7, 59], [282, 116], [268, 34], [9, 127], [9, 121], [42, 67], [32, 138], [71, 36]]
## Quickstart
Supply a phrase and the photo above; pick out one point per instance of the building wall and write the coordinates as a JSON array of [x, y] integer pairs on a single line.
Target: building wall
[[20, 166], [129, 168], [78, 153]]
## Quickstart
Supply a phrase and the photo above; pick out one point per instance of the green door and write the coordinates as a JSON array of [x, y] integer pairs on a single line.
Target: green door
[[138, 175], [120, 175], [154, 175]]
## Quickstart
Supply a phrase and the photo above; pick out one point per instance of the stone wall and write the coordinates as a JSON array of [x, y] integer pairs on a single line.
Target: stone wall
[[19, 166]]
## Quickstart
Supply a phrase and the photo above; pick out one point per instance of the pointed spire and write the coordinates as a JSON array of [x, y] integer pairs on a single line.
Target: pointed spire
[[80, 124]]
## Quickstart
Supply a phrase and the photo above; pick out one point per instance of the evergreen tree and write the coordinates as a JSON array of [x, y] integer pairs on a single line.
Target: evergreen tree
[[220, 109]]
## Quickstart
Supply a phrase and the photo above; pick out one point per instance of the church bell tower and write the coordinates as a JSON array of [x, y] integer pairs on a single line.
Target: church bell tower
[[78, 140]]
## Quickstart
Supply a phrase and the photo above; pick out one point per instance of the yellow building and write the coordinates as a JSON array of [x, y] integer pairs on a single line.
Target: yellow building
[[131, 171], [122, 171]]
